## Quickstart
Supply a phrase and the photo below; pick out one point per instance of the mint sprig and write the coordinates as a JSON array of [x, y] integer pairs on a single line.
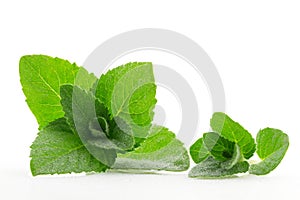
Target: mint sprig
[[227, 150], [91, 125]]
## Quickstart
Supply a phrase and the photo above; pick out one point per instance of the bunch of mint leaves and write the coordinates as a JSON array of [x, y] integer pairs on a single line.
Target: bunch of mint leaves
[[226, 150], [88, 124]]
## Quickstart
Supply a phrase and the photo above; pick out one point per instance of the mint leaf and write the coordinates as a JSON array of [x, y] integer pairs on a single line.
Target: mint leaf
[[160, 151], [217, 146], [128, 92], [234, 132], [212, 144], [211, 168], [41, 78], [198, 151], [272, 145], [57, 150]]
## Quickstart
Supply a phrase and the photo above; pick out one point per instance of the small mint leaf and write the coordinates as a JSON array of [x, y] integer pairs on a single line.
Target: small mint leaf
[[212, 144], [272, 145], [233, 131], [218, 147]]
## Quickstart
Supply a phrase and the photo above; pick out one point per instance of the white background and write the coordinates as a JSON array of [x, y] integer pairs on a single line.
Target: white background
[[254, 44]]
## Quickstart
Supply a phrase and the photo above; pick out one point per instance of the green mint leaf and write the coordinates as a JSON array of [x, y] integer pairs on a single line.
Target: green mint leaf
[[211, 168], [212, 144], [57, 150], [218, 147], [234, 132], [160, 151], [129, 92], [198, 151], [272, 145], [41, 78]]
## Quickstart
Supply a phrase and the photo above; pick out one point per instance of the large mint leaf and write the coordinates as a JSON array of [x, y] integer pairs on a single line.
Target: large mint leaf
[[272, 145], [128, 92], [211, 168], [57, 150], [41, 78], [234, 132], [160, 151]]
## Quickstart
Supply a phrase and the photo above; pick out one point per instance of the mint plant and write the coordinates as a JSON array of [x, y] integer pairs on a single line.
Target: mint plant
[[227, 150], [88, 124]]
